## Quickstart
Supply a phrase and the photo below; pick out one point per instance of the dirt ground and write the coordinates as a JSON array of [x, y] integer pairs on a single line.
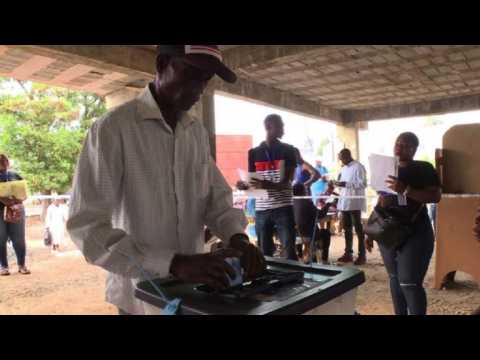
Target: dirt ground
[[65, 284]]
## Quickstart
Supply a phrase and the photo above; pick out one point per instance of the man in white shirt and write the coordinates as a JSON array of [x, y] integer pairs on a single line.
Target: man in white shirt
[[353, 182], [146, 186]]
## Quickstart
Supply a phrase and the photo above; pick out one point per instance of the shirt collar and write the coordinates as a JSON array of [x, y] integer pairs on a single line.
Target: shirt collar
[[274, 143], [148, 109]]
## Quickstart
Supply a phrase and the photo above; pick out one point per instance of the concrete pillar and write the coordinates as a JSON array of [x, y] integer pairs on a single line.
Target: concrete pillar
[[208, 116], [348, 136], [120, 97]]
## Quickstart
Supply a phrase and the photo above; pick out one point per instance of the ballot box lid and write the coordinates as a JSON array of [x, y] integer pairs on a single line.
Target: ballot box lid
[[321, 284]]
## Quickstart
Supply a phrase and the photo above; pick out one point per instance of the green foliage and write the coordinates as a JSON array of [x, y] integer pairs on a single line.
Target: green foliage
[[432, 121], [42, 129], [427, 158]]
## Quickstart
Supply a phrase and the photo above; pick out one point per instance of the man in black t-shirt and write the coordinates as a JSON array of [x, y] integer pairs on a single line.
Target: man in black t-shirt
[[273, 164]]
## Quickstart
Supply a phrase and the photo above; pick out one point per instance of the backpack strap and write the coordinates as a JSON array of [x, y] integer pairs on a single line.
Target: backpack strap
[[417, 213]]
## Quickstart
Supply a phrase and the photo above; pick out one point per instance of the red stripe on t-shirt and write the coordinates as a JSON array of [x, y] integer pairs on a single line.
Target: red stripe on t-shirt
[[268, 165]]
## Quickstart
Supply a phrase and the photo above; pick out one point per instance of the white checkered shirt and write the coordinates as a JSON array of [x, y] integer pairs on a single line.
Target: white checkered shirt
[[143, 192]]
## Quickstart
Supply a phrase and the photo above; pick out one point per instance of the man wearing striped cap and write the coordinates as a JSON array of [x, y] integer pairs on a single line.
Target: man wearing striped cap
[[146, 186]]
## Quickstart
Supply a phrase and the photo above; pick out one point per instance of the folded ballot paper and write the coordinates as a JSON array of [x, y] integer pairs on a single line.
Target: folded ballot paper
[[17, 189], [254, 193]]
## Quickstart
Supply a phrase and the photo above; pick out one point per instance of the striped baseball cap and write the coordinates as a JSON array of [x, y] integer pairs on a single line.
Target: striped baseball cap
[[207, 57]]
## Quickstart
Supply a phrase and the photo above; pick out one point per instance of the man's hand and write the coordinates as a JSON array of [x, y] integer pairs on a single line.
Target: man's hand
[[324, 211], [242, 185], [208, 235], [396, 185], [476, 229], [260, 184], [252, 260], [209, 269], [269, 185], [340, 184], [368, 244]]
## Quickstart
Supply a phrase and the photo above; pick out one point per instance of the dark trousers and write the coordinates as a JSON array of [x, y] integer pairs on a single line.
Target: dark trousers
[[16, 234], [322, 243], [407, 268], [325, 238], [353, 219], [283, 221]]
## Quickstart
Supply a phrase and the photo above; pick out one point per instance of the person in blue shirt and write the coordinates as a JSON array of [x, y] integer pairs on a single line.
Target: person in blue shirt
[[320, 186], [250, 213], [305, 174]]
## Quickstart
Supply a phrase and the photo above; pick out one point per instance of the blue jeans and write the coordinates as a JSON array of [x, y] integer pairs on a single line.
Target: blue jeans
[[16, 234], [283, 221], [407, 268]]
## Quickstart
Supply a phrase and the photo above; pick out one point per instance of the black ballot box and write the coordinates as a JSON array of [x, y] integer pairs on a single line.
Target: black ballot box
[[289, 288]]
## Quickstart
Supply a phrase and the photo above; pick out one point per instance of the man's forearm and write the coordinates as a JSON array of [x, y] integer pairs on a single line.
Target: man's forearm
[[9, 201], [358, 185], [310, 181], [239, 240], [268, 185], [314, 174]]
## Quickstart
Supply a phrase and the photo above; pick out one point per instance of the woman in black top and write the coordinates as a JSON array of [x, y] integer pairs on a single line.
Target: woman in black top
[[418, 184], [14, 232]]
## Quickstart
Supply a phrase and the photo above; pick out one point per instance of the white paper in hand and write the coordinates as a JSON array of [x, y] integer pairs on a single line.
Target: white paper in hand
[[251, 192], [381, 167], [243, 175]]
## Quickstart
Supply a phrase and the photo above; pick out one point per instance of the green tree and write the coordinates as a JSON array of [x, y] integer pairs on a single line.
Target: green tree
[[428, 158], [431, 121], [42, 129]]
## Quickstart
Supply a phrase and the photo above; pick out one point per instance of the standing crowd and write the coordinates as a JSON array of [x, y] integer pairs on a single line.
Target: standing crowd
[[288, 212], [280, 169]]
